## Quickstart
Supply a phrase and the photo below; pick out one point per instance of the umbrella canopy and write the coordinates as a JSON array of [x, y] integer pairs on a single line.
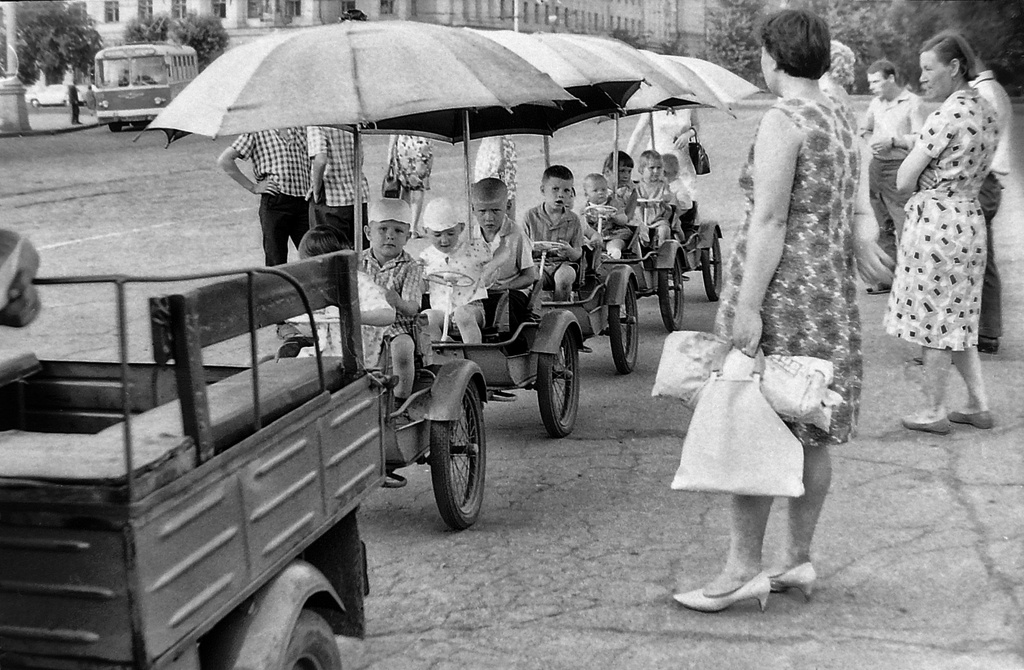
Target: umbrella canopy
[[712, 85], [356, 73]]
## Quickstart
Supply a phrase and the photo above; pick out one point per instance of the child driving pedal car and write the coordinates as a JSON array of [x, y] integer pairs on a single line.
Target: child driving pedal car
[[615, 229], [553, 221], [451, 251], [659, 215]]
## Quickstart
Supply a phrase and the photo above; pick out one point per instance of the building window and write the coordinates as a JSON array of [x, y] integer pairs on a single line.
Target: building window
[[219, 8], [293, 8], [412, 8], [254, 9], [178, 9], [536, 13], [387, 7], [348, 6], [112, 11], [145, 10]]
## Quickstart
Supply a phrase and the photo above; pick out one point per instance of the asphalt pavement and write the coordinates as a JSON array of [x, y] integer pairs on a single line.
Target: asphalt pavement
[[581, 543]]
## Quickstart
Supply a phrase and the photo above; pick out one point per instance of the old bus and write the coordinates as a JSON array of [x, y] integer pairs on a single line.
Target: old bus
[[135, 81]]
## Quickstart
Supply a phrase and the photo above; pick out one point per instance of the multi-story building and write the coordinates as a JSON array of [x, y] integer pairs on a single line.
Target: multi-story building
[[654, 22]]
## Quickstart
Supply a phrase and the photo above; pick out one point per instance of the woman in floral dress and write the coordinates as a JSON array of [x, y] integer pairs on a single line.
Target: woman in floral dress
[[936, 300], [496, 157], [791, 286], [413, 160]]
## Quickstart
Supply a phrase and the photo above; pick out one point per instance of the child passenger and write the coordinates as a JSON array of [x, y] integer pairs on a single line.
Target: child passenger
[[659, 217], [616, 231], [512, 251], [375, 312], [401, 278], [682, 190], [451, 251], [554, 221]]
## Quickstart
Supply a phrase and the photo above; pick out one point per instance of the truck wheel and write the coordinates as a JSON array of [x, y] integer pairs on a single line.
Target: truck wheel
[[623, 329], [457, 463], [711, 268], [312, 645], [670, 295], [558, 387]]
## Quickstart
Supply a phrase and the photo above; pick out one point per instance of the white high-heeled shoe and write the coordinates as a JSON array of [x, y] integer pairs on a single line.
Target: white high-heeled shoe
[[800, 577], [757, 588]]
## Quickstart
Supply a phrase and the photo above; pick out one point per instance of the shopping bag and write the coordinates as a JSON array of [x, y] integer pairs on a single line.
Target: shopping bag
[[687, 359], [797, 387], [699, 157], [736, 443]]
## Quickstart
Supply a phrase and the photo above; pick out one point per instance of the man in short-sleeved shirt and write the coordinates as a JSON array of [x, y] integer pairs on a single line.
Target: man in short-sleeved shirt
[[893, 119], [280, 167], [990, 326], [334, 177]]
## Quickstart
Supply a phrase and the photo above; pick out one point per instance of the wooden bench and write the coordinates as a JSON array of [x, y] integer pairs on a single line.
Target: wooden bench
[[205, 419]]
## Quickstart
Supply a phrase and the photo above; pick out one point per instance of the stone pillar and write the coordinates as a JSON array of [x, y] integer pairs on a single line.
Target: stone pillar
[[13, 110]]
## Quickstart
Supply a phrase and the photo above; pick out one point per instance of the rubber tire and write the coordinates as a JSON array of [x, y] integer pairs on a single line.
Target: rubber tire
[[624, 335], [711, 268], [672, 302], [312, 645], [459, 508], [115, 127], [559, 423]]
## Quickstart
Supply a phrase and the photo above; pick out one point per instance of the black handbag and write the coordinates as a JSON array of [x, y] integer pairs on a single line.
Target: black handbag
[[699, 157]]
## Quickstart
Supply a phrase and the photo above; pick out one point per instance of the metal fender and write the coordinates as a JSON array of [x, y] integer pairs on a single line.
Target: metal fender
[[667, 255], [617, 280], [552, 326], [451, 382], [708, 233], [255, 635]]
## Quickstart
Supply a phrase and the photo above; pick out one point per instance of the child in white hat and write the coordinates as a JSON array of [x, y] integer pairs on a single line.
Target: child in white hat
[[452, 251]]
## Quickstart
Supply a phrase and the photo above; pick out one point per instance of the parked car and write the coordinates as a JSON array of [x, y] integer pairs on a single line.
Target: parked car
[[52, 95]]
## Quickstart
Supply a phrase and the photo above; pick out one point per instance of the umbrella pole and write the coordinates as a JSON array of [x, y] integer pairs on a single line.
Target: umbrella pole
[[615, 155], [547, 152], [357, 214], [650, 121], [469, 178]]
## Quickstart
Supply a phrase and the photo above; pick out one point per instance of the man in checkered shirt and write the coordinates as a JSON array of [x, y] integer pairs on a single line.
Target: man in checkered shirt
[[334, 178], [280, 166]]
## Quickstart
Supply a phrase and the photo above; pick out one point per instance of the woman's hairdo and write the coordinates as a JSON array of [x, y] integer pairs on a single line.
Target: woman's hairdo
[[950, 46], [799, 41]]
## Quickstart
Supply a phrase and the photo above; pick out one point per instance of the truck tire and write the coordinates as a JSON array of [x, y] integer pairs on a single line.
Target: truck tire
[[312, 645]]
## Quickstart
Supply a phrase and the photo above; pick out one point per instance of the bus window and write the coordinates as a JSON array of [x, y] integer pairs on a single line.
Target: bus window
[[113, 73], [148, 70]]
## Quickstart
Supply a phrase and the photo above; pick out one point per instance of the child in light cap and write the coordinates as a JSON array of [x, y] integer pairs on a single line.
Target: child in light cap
[[394, 270], [452, 251]]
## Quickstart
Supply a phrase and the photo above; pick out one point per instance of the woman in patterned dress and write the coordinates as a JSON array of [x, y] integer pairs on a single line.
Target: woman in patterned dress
[[936, 300], [413, 160], [791, 285], [496, 157]]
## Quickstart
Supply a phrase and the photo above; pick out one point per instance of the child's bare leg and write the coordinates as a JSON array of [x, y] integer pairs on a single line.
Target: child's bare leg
[[664, 231], [403, 359], [615, 247], [435, 321], [565, 277], [467, 319]]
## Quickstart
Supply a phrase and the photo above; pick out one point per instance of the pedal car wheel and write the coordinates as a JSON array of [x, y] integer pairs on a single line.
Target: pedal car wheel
[[457, 460], [711, 268], [670, 295], [623, 329], [312, 645], [558, 388]]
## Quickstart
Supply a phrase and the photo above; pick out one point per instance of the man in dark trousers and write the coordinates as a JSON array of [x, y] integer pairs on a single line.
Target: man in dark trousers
[[73, 101]]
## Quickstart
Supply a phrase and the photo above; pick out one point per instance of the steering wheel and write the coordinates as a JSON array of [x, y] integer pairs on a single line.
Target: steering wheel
[[648, 202], [450, 278], [599, 210], [546, 246]]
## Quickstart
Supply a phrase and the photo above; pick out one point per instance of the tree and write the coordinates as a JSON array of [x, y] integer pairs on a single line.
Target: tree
[[732, 37], [205, 34], [54, 37], [156, 28]]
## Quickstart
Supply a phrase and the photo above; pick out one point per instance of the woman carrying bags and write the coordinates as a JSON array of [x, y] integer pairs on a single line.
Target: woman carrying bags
[[790, 287]]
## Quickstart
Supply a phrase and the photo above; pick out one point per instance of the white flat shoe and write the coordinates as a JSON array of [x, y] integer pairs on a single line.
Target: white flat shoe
[[757, 588]]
